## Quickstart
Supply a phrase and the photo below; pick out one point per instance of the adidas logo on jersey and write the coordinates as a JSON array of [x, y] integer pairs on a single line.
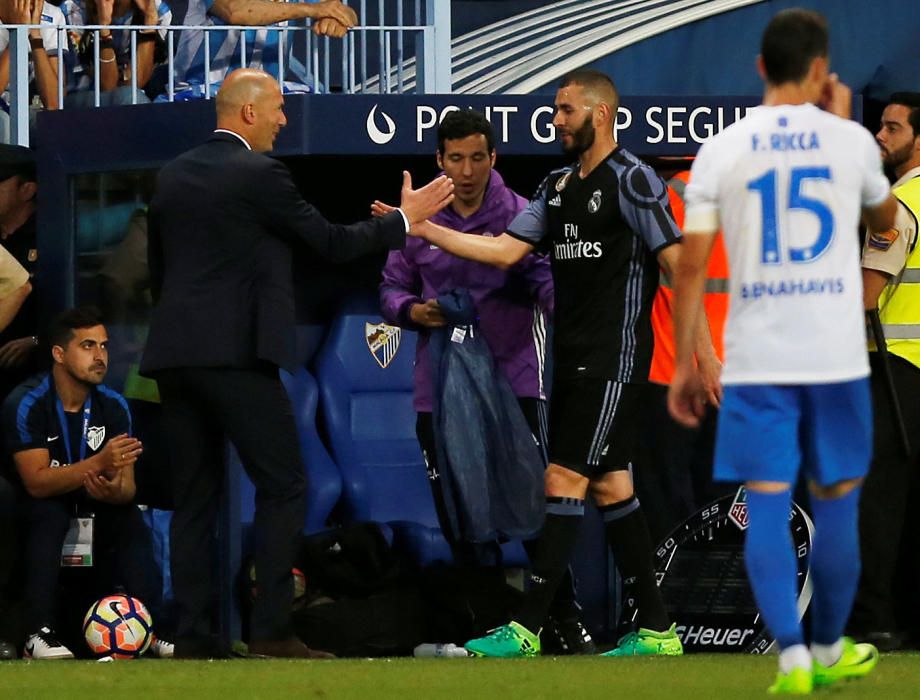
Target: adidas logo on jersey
[[555, 201]]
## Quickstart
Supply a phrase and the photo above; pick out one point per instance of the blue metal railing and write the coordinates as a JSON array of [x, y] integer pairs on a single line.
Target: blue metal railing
[[429, 31]]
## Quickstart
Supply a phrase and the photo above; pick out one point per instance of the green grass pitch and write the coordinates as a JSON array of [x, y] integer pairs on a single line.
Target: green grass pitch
[[699, 676]]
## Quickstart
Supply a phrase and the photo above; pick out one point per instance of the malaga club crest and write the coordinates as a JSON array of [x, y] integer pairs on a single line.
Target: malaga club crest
[[94, 437], [383, 342]]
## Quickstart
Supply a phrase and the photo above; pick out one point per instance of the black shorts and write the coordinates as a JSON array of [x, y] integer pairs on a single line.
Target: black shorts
[[593, 425]]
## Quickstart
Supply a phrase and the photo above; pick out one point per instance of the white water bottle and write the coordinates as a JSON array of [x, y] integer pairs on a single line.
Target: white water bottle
[[439, 650]]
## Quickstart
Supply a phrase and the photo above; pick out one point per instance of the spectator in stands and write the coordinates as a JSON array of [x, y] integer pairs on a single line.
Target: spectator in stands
[[47, 46], [891, 284], [330, 18], [222, 226], [115, 65], [70, 440], [512, 306], [674, 464], [18, 341]]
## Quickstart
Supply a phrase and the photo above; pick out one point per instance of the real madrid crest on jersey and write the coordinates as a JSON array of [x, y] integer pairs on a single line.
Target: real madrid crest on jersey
[[383, 341], [94, 437], [595, 202], [563, 181]]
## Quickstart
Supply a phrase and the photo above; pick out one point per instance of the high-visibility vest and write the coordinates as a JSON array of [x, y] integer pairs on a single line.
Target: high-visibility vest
[[899, 303], [715, 299]]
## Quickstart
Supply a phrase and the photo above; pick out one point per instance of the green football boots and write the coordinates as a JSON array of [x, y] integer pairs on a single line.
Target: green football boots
[[516, 641], [799, 681], [856, 661], [509, 641], [645, 642]]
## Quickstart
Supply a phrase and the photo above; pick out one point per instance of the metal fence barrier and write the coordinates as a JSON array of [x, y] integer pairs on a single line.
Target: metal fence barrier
[[347, 65]]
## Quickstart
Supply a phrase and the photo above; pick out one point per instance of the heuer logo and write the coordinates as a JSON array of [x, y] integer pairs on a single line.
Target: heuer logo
[[377, 135], [714, 636], [383, 342], [738, 513]]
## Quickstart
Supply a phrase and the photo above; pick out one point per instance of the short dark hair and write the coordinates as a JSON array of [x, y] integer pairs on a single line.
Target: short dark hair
[[587, 77], [792, 40], [595, 81], [62, 326], [912, 101], [462, 123]]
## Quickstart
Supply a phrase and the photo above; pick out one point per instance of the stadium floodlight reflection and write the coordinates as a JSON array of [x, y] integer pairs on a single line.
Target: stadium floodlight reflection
[[430, 32]]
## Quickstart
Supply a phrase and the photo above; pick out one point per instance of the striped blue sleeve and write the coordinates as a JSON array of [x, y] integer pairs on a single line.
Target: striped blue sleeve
[[530, 224], [24, 420], [645, 206]]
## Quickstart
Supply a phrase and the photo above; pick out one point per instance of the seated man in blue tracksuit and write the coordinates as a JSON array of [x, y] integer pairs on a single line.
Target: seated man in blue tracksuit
[[69, 437]]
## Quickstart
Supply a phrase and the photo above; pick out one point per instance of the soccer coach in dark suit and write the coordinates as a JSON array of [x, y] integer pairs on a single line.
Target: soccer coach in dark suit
[[223, 223]]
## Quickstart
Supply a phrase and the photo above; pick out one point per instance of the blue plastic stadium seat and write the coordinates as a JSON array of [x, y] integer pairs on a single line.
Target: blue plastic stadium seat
[[366, 398]]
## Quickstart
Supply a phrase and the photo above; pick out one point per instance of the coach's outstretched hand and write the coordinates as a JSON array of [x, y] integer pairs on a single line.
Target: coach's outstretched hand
[[426, 201], [379, 208]]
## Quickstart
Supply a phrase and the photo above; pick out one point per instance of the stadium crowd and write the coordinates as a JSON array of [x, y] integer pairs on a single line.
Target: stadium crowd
[[465, 250], [139, 75]]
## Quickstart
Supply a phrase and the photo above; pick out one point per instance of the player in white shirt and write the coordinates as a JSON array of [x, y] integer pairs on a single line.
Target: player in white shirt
[[787, 185]]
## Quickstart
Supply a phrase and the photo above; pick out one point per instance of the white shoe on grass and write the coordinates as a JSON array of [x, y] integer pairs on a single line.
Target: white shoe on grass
[[45, 645]]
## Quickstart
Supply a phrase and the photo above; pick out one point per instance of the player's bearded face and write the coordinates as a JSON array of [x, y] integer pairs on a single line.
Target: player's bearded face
[[582, 137], [894, 157], [896, 138], [86, 356]]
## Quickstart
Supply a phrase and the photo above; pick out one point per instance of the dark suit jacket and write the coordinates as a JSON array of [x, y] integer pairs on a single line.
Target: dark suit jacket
[[222, 226]]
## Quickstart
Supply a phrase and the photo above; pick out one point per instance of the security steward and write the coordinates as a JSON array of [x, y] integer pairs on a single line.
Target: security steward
[[891, 282]]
